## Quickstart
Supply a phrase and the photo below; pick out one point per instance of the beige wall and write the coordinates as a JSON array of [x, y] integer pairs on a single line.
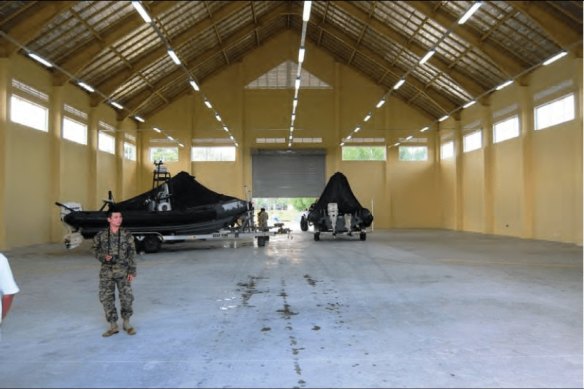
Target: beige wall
[[528, 187]]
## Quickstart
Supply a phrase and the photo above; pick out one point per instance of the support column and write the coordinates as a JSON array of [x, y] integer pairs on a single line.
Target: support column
[[458, 179], [119, 137], [4, 137], [56, 157], [92, 138], [526, 141], [336, 156], [488, 172]]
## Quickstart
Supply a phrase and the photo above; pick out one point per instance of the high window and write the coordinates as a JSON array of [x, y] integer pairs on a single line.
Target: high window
[[555, 112], [164, 154], [106, 142], [74, 131], [506, 129], [413, 153], [363, 153], [129, 151], [472, 141], [447, 150], [29, 114], [213, 154]]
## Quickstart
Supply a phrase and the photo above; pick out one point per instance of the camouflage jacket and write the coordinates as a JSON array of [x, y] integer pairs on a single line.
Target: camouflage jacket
[[121, 246]]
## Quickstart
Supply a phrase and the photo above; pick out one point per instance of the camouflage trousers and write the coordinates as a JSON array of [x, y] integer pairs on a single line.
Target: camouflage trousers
[[109, 278]]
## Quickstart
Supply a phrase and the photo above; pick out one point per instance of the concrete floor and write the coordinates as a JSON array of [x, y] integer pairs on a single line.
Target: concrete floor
[[406, 308]]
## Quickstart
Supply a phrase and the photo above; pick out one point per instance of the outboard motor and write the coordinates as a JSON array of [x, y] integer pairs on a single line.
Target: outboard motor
[[333, 213]]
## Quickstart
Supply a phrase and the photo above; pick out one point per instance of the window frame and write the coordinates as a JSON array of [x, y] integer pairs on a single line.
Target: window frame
[[548, 103], [465, 147], [425, 147], [150, 152], [73, 139], [343, 148], [209, 150], [31, 104], [500, 122]]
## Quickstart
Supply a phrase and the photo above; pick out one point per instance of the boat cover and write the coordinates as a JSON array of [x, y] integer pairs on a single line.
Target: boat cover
[[338, 190], [186, 192]]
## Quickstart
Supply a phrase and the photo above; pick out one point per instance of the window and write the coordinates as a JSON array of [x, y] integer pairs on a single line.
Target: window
[[555, 112], [74, 131], [472, 141], [506, 129], [106, 142], [215, 154], [29, 114], [363, 153], [129, 151], [165, 154], [413, 153], [447, 150]]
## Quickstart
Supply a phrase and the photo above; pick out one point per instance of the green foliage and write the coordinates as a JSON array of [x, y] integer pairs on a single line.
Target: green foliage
[[302, 203], [364, 153], [166, 154], [413, 153]]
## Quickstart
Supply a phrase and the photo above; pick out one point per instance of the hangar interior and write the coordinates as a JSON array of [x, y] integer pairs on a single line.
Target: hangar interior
[[89, 90]]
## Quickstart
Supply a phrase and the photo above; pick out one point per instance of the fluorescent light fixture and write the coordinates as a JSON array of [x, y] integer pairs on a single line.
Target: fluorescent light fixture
[[443, 118], [306, 12], [194, 85], [294, 103], [231, 137], [396, 144], [117, 105], [427, 57], [409, 137], [236, 145], [469, 13], [398, 84], [342, 143], [503, 85], [381, 102], [174, 57], [169, 137], [291, 128], [349, 137], [301, 54], [297, 83], [293, 117], [138, 118], [552, 59], [217, 117], [157, 129], [142, 11], [225, 129], [357, 129], [469, 104], [40, 59], [208, 104], [86, 87], [424, 129], [290, 137], [181, 145], [367, 117]]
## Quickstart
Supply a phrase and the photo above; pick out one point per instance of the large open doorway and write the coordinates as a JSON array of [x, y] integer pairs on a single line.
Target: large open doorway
[[284, 210]]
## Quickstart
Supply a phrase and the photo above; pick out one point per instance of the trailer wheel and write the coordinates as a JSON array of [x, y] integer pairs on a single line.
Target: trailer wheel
[[363, 236], [151, 244], [317, 236], [261, 241]]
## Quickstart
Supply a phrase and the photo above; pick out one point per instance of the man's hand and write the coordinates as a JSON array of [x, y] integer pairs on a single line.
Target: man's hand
[[130, 278], [108, 258]]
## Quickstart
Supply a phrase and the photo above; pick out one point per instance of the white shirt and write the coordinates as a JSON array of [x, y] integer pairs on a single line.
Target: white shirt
[[7, 284]]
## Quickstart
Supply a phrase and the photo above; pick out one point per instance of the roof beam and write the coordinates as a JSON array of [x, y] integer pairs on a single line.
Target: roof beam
[[117, 80], [466, 82], [505, 62], [142, 97], [29, 23], [84, 55], [565, 36], [439, 99]]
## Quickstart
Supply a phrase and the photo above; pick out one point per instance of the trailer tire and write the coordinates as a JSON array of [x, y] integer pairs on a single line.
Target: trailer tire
[[151, 243], [261, 241], [317, 236]]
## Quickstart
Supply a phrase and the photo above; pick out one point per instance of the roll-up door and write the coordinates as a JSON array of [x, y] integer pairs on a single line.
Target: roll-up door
[[288, 173]]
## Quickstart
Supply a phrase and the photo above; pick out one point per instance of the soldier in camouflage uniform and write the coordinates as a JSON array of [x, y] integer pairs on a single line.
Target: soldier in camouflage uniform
[[115, 249]]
